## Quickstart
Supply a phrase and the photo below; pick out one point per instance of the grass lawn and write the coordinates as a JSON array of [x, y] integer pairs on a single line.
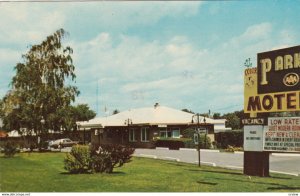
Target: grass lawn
[[44, 172]]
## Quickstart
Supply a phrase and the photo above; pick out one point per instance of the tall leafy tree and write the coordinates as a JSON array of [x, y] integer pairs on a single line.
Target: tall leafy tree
[[68, 116], [188, 111], [41, 86], [84, 113]]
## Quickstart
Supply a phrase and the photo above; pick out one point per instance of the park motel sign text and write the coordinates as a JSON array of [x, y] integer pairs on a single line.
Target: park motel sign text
[[274, 86]]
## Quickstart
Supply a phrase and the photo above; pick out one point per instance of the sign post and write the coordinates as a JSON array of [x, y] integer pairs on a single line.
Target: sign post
[[197, 142]]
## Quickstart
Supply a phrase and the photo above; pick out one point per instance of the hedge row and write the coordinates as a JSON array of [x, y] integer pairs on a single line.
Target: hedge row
[[233, 138], [176, 143]]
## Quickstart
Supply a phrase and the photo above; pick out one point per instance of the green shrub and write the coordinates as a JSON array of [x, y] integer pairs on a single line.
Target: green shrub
[[9, 149], [233, 138], [205, 142], [233, 149], [188, 133], [176, 143], [78, 160], [171, 143], [189, 143], [107, 157]]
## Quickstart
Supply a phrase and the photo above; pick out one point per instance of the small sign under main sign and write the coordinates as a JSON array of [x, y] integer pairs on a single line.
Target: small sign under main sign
[[253, 138], [253, 121], [201, 130]]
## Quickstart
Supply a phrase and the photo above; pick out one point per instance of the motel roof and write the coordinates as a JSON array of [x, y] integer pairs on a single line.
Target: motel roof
[[157, 115]]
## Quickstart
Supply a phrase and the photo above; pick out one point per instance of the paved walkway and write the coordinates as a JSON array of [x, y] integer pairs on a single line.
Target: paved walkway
[[280, 163]]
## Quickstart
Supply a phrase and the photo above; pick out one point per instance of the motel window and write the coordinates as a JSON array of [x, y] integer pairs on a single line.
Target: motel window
[[109, 134], [132, 135], [171, 132], [175, 133], [145, 134], [164, 133]]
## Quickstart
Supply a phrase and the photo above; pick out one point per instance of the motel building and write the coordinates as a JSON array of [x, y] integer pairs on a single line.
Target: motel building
[[139, 127]]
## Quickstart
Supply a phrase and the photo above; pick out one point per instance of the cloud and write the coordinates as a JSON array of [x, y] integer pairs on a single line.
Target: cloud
[[114, 56], [126, 14], [138, 71], [24, 23]]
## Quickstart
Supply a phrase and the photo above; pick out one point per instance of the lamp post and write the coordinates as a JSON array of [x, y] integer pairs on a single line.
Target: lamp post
[[127, 122], [100, 135], [204, 120], [198, 132], [42, 127]]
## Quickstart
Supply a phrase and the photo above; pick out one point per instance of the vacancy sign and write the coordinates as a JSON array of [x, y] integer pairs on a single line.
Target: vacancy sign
[[253, 137], [282, 134]]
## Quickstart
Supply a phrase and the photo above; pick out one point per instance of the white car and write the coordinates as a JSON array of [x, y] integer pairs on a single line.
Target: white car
[[61, 143]]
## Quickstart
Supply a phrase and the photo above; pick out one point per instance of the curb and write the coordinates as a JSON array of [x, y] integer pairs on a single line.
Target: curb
[[238, 152], [146, 156], [206, 163], [170, 158], [286, 173], [202, 150], [285, 155], [233, 167], [161, 148], [188, 149]]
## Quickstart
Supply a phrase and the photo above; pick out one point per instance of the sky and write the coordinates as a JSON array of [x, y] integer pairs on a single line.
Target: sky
[[131, 54]]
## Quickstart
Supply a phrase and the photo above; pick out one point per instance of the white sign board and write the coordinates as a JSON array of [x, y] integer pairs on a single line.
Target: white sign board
[[282, 134], [163, 126], [253, 137], [201, 130], [196, 138]]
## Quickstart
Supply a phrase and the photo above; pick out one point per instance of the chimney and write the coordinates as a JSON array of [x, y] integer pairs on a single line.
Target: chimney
[[156, 105]]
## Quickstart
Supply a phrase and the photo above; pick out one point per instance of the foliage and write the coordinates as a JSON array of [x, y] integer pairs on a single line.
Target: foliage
[[234, 119], [116, 111], [188, 111], [43, 145], [188, 133], [78, 160], [217, 116], [173, 144], [38, 88], [189, 143], [107, 157], [233, 149], [205, 142], [232, 138], [83, 112], [69, 115], [9, 149]]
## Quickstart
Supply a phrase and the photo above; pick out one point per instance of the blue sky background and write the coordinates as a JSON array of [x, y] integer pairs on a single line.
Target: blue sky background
[[180, 54]]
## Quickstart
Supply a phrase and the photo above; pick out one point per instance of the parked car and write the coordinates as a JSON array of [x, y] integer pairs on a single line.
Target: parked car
[[61, 143]]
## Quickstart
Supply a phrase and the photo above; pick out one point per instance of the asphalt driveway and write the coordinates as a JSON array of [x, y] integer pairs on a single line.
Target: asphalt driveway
[[280, 163]]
